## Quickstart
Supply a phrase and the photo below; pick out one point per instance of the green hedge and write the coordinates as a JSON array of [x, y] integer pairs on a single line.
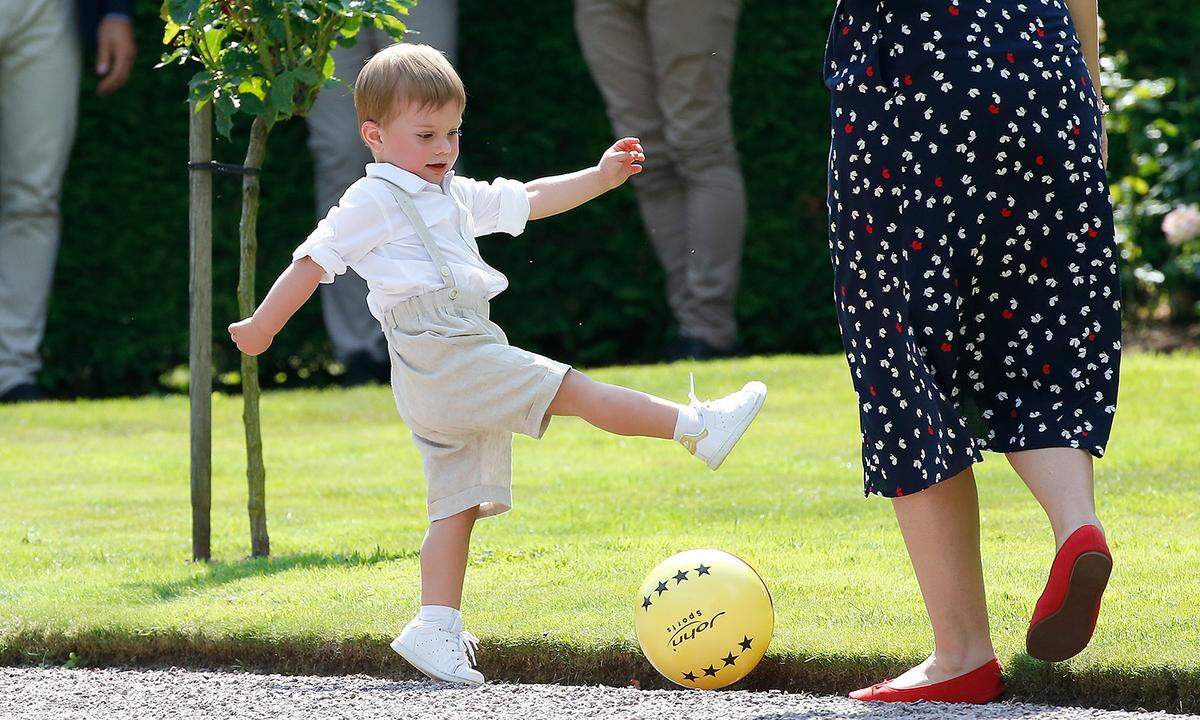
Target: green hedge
[[585, 287]]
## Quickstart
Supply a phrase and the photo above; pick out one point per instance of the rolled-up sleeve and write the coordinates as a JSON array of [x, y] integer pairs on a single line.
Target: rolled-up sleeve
[[499, 206], [353, 228]]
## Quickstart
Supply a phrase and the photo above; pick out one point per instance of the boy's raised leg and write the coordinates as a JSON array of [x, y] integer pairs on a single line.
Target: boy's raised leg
[[618, 410], [708, 430]]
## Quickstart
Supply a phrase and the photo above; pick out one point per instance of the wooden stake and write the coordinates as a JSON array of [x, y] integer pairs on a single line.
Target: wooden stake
[[200, 326]]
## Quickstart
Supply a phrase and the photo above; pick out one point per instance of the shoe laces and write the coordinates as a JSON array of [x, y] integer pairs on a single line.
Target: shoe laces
[[463, 645], [695, 401], [468, 644], [727, 403]]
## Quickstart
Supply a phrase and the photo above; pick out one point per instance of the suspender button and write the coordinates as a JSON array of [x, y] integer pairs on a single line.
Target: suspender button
[[453, 293], [445, 271]]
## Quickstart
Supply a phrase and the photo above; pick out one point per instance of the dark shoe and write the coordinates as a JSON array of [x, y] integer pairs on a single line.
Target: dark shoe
[[362, 369], [25, 392], [684, 347]]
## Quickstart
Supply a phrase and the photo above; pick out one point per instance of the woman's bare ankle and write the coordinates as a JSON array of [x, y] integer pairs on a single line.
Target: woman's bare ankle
[[1064, 527], [953, 663]]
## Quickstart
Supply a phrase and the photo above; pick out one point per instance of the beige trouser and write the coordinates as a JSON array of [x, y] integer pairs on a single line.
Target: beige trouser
[[663, 67], [462, 389], [39, 97], [339, 158]]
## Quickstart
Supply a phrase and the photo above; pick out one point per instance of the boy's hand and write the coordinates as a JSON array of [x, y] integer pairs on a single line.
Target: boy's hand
[[621, 161], [249, 337]]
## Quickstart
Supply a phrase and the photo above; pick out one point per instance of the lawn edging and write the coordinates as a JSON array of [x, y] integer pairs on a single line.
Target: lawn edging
[[543, 661]]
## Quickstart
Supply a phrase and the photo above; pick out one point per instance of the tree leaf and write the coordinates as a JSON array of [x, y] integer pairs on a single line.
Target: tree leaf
[[223, 117], [201, 82], [279, 102], [181, 11], [181, 53], [170, 30], [392, 25], [328, 69], [252, 104], [211, 40], [351, 27], [253, 86]]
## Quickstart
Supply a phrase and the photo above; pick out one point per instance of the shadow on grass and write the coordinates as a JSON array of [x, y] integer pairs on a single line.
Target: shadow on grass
[[218, 573], [543, 661]]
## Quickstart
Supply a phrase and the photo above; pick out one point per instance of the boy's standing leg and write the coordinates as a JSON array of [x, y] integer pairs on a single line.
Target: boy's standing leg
[[435, 641], [444, 559], [663, 67]]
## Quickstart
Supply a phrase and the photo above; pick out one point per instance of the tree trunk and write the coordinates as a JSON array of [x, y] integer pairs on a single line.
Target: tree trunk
[[260, 544], [200, 343]]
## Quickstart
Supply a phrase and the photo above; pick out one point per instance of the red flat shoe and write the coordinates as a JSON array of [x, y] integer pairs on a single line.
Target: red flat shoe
[[981, 685], [1066, 613]]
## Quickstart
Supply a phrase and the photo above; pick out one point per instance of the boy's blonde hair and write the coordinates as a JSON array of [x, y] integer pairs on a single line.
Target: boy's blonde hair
[[405, 73]]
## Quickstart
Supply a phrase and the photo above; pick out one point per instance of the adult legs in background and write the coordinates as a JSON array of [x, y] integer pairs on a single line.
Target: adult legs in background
[[693, 45], [667, 84], [39, 95], [339, 159]]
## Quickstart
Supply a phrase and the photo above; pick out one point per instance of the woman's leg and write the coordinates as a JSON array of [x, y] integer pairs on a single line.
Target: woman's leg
[[616, 409], [940, 526], [1061, 480], [444, 559]]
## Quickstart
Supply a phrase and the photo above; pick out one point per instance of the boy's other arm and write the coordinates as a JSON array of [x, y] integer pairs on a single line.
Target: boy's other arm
[[553, 195], [295, 286]]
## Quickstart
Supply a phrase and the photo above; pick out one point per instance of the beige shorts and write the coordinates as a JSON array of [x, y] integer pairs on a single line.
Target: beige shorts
[[463, 391]]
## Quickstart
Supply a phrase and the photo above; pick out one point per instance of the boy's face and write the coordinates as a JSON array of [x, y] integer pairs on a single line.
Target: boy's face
[[421, 140]]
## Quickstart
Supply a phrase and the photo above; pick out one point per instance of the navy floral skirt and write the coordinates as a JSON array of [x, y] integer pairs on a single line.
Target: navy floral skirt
[[971, 233]]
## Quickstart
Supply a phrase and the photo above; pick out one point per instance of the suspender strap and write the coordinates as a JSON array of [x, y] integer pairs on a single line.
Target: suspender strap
[[410, 211]]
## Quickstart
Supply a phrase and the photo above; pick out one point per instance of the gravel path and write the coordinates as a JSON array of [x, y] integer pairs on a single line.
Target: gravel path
[[110, 694]]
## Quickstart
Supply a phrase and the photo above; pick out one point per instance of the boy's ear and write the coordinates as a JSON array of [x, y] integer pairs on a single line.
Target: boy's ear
[[371, 135]]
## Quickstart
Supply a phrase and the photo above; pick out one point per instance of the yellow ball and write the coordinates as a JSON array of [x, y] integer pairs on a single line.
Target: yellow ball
[[704, 618]]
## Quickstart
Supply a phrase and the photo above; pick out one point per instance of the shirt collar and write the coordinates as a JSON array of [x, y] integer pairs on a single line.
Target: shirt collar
[[409, 181]]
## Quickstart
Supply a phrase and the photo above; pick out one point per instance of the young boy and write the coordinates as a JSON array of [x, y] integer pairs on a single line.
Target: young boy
[[408, 229]]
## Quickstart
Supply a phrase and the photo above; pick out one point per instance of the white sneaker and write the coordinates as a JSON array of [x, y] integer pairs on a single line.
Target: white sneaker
[[724, 422], [441, 653]]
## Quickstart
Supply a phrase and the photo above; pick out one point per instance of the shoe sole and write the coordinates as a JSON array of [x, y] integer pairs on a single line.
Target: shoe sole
[[733, 439], [433, 673], [1066, 632]]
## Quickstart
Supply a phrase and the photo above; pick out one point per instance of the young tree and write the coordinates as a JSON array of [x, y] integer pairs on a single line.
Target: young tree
[[266, 60]]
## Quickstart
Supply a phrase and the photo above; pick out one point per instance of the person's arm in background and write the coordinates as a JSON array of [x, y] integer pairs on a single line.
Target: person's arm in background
[[552, 195], [293, 288], [1085, 15], [115, 45]]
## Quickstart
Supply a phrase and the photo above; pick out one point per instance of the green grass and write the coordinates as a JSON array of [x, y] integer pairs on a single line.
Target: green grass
[[95, 540]]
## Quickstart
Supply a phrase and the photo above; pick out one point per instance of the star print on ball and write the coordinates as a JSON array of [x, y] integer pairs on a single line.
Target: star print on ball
[[704, 618]]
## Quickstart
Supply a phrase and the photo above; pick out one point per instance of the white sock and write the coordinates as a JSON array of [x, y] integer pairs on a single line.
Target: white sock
[[439, 615], [689, 422]]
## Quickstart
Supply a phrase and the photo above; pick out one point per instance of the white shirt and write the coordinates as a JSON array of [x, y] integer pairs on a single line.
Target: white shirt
[[367, 231]]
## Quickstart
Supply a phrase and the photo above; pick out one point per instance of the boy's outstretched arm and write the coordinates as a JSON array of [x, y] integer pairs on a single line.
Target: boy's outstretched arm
[[553, 195], [296, 285]]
